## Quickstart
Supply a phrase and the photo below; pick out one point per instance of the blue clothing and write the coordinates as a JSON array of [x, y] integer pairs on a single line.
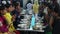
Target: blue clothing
[[15, 12]]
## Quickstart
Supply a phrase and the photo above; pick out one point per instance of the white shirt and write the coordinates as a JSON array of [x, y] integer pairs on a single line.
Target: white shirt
[[58, 1], [29, 6], [45, 10]]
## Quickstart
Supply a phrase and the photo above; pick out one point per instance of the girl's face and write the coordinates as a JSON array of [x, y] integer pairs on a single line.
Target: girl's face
[[9, 9], [18, 8], [4, 11]]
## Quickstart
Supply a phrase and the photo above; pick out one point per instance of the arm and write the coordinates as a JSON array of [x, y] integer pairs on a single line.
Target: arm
[[51, 22], [8, 20], [13, 18]]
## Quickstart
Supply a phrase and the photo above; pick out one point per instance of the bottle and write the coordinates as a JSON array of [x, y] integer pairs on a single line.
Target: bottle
[[32, 22]]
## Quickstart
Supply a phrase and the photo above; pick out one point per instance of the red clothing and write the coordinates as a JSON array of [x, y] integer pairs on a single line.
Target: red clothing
[[3, 25]]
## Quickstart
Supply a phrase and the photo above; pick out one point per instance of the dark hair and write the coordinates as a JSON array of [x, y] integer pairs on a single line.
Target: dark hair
[[29, 1], [45, 3], [51, 7], [15, 3], [2, 7], [8, 4], [54, 8], [57, 10]]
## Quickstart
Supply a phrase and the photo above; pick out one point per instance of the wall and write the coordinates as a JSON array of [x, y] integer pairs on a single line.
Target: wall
[[24, 3]]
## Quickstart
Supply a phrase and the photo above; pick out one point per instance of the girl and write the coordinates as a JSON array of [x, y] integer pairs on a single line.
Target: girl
[[3, 22], [9, 17]]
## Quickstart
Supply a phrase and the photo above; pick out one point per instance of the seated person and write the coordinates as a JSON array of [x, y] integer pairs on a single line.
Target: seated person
[[3, 22], [16, 14], [9, 17]]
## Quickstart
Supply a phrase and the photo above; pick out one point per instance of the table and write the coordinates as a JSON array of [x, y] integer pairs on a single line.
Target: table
[[27, 31], [31, 32]]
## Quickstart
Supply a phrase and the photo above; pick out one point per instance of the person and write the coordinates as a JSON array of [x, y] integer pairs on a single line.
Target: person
[[48, 29], [9, 17], [3, 22], [29, 6], [17, 9], [35, 9], [55, 20], [45, 7], [16, 14]]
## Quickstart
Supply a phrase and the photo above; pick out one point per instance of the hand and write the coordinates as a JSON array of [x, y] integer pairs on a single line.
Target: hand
[[13, 17], [1, 24], [11, 32]]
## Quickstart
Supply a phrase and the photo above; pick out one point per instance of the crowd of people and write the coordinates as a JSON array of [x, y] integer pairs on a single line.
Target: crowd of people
[[10, 15]]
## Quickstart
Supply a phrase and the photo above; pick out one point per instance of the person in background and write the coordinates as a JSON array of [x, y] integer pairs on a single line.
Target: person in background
[[55, 20], [35, 9], [17, 9], [45, 7], [47, 11], [3, 22], [41, 8], [29, 6], [47, 18]]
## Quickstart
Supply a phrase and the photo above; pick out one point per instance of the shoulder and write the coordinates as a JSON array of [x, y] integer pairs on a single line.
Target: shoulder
[[7, 15], [1, 18], [13, 12]]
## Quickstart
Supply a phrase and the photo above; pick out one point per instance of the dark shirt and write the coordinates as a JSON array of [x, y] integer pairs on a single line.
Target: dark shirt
[[56, 28], [15, 12], [17, 19]]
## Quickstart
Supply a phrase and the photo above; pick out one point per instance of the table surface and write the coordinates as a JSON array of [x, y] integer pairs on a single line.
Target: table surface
[[23, 13], [30, 30]]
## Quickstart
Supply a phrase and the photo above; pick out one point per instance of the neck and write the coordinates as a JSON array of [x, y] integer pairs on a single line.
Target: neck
[[0, 14], [8, 12]]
